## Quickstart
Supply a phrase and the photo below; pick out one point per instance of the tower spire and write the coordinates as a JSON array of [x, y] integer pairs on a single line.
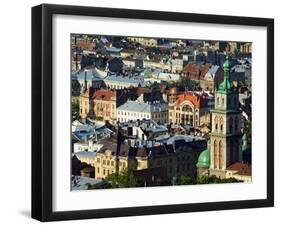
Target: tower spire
[[226, 85]]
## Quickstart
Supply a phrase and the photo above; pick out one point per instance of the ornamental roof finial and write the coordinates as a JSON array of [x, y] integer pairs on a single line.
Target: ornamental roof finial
[[226, 85]]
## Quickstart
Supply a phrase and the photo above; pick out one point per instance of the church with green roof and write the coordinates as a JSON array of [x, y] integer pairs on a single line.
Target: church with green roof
[[224, 145]]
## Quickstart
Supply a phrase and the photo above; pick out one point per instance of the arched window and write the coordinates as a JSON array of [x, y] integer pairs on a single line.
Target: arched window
[[222, 102], [215, 154], [216, 123], [221, 160], [230, 124], [221, 124], [218, 101]]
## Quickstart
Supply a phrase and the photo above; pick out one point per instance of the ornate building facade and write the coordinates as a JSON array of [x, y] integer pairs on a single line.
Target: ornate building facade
[[189, 108]]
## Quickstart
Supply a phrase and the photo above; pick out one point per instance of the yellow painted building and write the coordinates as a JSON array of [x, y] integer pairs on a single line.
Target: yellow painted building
[[84, 104], [102, 104], [149, 42], [105, 162], [181, 162]]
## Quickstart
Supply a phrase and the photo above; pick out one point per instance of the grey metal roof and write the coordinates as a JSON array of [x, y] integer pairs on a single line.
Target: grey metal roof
[[213, 69], [85, 154], [142, 107], [90, 75], [134, 80], [135, 106], [186, 138]]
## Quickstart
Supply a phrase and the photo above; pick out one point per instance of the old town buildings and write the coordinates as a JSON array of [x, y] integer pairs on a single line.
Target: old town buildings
[[164, 111], [133, 110], [171, 156], [190, 108]]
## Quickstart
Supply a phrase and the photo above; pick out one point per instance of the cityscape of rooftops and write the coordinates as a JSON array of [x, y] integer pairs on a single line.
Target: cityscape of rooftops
[[159, 112]]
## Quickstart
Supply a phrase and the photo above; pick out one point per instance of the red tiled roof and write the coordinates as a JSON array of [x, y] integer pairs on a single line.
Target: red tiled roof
[[142, 90], [194, 71], [198, 100], [241, 168], [104, 95]]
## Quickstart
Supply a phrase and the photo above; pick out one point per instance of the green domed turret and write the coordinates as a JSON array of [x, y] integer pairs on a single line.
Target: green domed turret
[[204, 158], [226, 64], [226, 86]]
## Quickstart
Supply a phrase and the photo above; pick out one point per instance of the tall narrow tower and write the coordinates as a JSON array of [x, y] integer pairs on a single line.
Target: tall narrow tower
[[226, 126]]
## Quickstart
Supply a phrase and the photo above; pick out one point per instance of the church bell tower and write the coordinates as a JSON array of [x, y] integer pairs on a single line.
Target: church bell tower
[[225, 138]]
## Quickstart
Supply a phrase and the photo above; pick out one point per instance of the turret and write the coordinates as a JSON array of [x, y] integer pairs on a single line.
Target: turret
[[226, 85]]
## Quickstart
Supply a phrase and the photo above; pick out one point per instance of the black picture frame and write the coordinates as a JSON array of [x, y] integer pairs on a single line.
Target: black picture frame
[[42, 111]]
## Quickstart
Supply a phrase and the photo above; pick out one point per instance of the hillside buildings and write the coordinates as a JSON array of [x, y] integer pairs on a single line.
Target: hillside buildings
[[161, 109]]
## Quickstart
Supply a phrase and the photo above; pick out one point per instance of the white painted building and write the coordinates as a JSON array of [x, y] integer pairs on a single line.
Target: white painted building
[[89, 146], [134, 110]]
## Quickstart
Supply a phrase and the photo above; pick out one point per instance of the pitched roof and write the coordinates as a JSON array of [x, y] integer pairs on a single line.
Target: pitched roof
[[142, 107], [213, 69], [195, 71], [142, 90], [105, 95], [198, 100], [241, 168], [133, 80]]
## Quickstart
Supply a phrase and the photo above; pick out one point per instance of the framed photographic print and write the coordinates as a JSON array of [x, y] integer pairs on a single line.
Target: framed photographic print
[[146, 112]]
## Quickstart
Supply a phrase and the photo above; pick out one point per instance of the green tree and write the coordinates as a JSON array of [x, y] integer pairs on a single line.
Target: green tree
[[186, 83], [124, 179], [184, 180], [202, 180], [75, 106], [155, 86], [205, 179]]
